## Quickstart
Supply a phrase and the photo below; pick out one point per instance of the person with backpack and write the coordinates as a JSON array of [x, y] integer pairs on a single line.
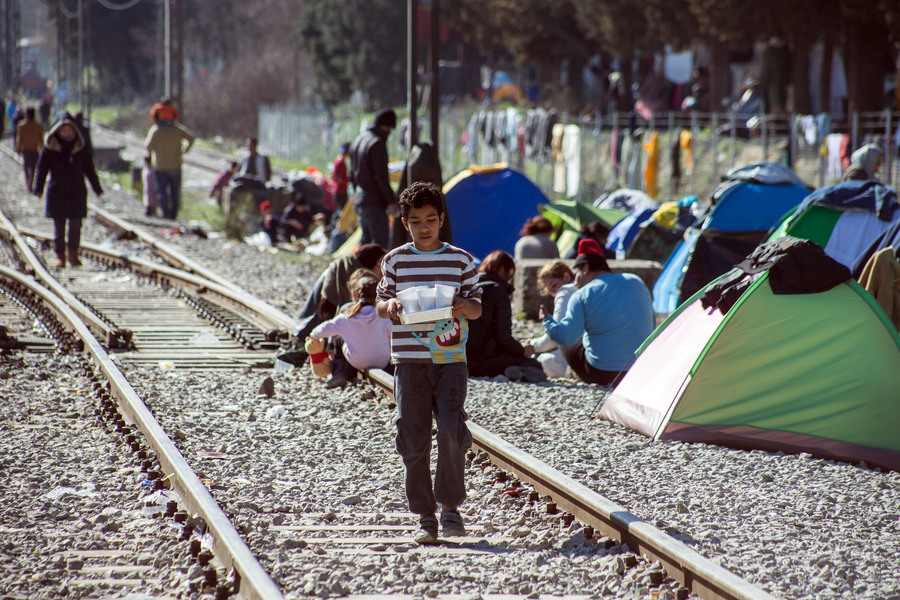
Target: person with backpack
[[29, 141]]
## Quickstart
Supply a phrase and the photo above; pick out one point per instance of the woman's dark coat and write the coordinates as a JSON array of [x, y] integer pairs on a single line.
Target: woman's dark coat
[[67, 164], [492, 333]]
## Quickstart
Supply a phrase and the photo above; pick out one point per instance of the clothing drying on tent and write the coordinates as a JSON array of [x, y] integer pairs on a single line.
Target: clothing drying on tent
[[745, 206], [488, 207], [569, 216], [625, 199], [625, 231], [748, 363], [657, 237], [850, 220]]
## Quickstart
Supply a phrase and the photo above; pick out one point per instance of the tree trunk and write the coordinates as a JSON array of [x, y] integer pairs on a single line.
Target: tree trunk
[[866, 45], [825, 75], [800, 76], [718, 75], [626, 102], [575, 84]]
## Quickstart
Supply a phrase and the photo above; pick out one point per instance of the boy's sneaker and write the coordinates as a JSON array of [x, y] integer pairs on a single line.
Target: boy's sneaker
[[452, 523], [428, 530]]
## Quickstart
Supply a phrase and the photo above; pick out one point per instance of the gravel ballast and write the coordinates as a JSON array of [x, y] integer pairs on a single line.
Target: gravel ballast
[[794, 525]]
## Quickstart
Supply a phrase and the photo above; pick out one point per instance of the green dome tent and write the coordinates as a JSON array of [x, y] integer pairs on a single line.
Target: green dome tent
[[809, 372]]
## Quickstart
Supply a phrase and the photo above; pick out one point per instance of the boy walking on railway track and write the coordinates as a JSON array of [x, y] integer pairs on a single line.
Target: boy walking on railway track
[[430, 375]]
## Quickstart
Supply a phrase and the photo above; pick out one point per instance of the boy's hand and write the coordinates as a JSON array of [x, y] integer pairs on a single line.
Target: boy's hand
[[468, 308], [393, 308]]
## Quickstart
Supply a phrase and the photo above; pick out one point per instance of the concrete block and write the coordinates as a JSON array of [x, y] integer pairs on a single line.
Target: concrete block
[[527, 296]]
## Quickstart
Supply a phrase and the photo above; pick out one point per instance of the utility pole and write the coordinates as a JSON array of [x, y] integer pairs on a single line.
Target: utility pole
[[10, 70], [431, 79], [167, 48], [81, 87], [412, 71], [435, 95], [179, 56]]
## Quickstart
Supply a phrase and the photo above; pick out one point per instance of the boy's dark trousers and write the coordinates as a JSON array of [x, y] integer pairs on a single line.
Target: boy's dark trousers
[[422, 390]]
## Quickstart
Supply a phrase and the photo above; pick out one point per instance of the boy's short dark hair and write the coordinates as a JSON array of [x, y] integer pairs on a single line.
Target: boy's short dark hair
[[420, 194]]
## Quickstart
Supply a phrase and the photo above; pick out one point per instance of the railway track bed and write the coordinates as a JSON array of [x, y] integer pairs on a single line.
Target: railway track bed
[[287, 466]]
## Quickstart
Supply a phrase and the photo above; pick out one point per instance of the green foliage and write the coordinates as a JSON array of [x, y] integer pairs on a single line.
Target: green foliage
[[243, 213], [356, 45]]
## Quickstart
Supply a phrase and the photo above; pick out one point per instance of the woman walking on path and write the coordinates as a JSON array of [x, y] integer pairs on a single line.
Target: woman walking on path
[[67, 160]]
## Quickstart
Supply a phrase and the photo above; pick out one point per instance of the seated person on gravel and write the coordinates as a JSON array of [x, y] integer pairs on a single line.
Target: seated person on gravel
[[556, 279], [607, 319], [331, 289], [429, 358], [492, 350], [268, 222], [296, 219], [362, 339]]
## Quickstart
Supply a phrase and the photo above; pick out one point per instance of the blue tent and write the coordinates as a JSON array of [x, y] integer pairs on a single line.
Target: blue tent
[[748, 203], [488, 207], [624, 232]]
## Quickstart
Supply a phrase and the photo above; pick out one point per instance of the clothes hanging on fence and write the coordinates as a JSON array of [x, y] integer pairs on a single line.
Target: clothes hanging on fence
[[846, 151], [470, 148], [513, 122], [833, 168], [615, 148], [675, 159], [687, 147], [807, 129], [651, 170], [823, 124], [633, 175], [571, 149], [532, 120], [559, 161]]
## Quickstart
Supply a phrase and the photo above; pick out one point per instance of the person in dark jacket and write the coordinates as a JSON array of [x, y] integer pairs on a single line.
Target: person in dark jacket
[[65, 159], [369, 173], [491, 349]]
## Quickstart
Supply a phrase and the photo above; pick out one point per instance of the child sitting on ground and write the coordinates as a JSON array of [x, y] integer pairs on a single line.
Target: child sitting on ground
[[268, 222], [217, 190], [148, 177], [365, 338], [556, 279]]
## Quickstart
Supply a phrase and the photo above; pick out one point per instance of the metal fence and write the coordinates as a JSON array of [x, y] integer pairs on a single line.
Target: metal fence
[[718, 142]]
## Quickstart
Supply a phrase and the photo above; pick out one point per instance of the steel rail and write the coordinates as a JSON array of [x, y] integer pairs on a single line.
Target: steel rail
[[230, 550], [198, 158], [99, 327], [691, 569], [165, 250], [698, 574], [267, 316]]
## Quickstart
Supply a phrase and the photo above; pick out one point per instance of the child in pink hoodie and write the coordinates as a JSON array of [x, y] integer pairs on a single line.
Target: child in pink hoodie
[[365, 338]]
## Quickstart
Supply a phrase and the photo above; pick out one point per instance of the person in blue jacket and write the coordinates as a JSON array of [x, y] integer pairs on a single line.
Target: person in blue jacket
[[607, 319]]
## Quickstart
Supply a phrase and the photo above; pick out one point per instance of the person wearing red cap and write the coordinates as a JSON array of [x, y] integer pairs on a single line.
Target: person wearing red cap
[[268, 222], [607, 319]]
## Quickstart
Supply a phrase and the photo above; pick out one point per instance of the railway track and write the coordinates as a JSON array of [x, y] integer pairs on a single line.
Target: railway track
[[112, 296]]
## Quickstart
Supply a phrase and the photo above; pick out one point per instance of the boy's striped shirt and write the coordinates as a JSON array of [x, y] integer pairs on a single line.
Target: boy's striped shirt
[[406, 267]]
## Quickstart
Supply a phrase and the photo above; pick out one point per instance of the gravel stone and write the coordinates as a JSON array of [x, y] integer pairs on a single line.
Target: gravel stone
[[799, 527]]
